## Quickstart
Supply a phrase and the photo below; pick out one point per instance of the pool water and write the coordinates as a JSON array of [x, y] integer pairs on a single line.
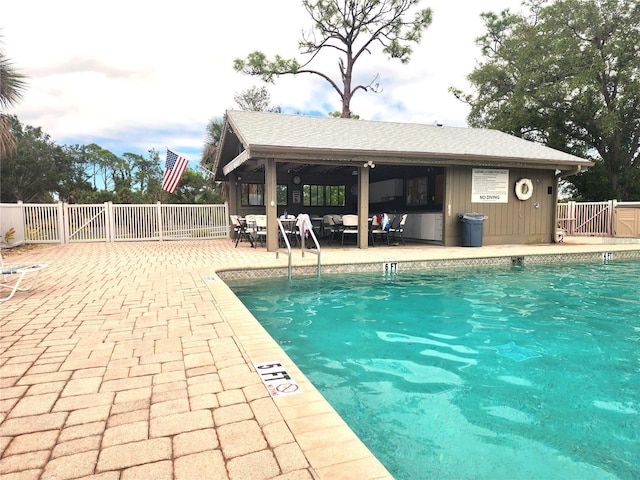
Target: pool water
[[489, 373]]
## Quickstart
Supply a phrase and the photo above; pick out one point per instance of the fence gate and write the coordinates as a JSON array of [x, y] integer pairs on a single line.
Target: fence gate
[[586, 218], [86, 223], [106, 222]]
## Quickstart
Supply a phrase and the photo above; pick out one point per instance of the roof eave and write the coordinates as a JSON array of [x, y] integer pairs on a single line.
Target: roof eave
[[349, 157], [229, 129]]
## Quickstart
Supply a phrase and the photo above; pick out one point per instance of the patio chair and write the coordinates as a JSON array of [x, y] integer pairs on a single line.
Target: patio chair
[[20, 272], [330, 227], [398, 228], [303, 226], [261, 229], [237, 229], [349, 226], [240, 230], [380, 227]]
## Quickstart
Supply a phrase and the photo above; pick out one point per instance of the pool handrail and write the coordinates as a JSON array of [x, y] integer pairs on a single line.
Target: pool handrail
[[287, 244], [308, 227]]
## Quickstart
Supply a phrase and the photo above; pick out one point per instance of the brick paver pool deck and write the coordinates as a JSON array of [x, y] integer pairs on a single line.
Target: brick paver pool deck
[[135, 361]]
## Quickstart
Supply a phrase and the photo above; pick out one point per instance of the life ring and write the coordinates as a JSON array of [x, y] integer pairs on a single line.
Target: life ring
[[524, 189]]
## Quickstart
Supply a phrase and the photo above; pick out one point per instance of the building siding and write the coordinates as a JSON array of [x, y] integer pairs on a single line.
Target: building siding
[[514, 222]]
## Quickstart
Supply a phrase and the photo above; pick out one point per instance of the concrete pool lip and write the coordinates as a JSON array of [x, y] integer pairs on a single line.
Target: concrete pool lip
[[140, 347]]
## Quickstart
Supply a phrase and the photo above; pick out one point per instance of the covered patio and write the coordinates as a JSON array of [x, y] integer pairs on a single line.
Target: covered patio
[[277, 163]]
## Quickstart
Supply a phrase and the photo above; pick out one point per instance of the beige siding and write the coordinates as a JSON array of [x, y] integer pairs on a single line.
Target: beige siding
[[514, 222]]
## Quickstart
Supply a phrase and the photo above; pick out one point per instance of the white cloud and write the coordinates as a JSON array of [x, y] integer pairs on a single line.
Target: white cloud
[[134, 75]]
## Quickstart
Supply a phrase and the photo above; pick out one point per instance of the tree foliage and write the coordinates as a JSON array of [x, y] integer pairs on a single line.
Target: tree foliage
[[39, 170], [35, 168], [256, 99], [12, 86], [567, 74], [348, 29]]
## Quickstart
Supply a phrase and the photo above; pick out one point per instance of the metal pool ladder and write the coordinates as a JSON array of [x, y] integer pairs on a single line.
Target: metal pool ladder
[[302, 244]]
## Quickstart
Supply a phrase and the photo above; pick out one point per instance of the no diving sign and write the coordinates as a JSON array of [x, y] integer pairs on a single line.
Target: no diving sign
[[276, 378]]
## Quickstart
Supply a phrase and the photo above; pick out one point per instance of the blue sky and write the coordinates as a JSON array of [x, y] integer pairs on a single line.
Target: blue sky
[[135, 75]]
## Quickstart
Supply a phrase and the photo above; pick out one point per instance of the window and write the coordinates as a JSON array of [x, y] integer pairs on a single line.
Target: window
[[323, 195], [282, 194], [417, 191], [252, 194]]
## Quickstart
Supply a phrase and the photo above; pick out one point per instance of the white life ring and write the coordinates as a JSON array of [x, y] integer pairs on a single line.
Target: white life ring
[[524, 189]]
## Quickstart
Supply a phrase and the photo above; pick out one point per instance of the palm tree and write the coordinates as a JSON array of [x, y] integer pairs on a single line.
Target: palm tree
[[12, 85], [214, 134]]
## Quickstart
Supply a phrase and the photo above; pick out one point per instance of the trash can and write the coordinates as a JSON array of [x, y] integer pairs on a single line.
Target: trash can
[[472, 228]]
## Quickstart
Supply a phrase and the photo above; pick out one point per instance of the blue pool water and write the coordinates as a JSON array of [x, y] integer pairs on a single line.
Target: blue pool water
[[489, 373]]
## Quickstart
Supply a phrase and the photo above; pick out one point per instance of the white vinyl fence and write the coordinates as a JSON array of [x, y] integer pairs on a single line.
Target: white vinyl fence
[[599, 219], [586, 218], [106, 222]]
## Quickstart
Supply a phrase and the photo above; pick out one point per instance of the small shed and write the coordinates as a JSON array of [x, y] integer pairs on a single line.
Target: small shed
[[317, 165]]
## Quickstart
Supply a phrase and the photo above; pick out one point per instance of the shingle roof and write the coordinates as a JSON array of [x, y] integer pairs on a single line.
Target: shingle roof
[[277, 130]]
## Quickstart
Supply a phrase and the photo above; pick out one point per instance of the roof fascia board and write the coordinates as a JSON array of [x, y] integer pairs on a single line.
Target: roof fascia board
[[236, 162], [352, 157], [229, 128]]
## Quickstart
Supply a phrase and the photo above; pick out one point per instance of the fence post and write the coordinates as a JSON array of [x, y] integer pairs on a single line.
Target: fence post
[[159, 215], [109, 221], [60, 218], [65, 220], [612, 218], [226, 219], [24, 219], [571, 213]]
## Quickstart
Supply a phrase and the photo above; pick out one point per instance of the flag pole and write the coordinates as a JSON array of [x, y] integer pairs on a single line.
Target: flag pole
[[206, 170]]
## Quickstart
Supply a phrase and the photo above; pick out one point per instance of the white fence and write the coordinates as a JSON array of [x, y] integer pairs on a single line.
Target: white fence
[[106, 222], [586, 218], [596, 219]]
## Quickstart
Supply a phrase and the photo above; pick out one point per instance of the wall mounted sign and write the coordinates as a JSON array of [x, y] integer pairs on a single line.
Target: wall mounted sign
[[489, 185]]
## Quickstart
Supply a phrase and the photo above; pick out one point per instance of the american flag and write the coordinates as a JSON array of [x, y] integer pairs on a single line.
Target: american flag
[[173, 171]]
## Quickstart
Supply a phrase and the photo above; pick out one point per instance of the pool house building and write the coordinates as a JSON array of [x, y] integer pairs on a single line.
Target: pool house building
[[276, 163]]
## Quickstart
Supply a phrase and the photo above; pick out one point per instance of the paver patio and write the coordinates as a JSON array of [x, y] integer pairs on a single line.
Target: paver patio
[[135, 361]]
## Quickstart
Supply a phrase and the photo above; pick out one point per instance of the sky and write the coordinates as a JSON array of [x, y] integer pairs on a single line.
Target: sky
[[135, 75]]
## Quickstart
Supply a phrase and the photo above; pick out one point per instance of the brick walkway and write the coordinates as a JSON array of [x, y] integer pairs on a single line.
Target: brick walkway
[[121, 364], [134, 361]]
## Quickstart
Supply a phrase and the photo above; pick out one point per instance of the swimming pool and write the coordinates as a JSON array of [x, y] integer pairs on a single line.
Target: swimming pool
[[530, 372]]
